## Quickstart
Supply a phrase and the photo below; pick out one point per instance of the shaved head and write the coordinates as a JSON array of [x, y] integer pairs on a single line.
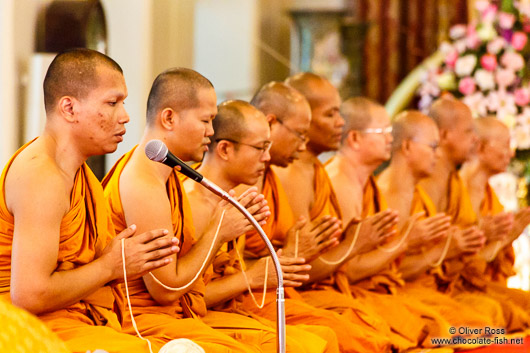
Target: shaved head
[[408, 125], [309, 84], [279, 99], [175, 88], [490, 127], [446, 112], [74, 73], [231, 121], [357, 113]]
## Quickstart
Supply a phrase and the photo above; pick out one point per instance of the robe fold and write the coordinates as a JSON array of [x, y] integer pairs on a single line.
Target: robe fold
[[85, 231], [354, 334], [468, 271], [159, 323], [424, 286], [499, 269], [412, 322], [231, 315]]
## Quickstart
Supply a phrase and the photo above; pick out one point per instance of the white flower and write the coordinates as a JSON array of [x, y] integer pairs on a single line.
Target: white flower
[[477, 103], [481, 5], [446, 47], [486, 32], [460, 45], [485, 79], [425, 103], [457, 31], [465, 65], [502, 103]]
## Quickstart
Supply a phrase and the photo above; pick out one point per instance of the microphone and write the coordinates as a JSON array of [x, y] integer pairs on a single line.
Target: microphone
[[157, 151]]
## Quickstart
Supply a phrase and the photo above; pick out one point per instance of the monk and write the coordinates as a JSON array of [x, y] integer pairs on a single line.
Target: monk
[[289, 116], [169, 302], [374, 276], [492, 156], [238, 154], [414, 155], [60, 256], [447, 192]]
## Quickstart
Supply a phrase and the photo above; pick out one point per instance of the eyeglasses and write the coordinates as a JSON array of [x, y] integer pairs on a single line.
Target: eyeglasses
[[262, 149], [302, 137], [378, 130]]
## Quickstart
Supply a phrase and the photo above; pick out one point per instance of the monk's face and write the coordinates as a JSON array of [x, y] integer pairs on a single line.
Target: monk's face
[[101, 115], [194, 127], [248, 158], [376, 142], [460, 139], [325, 132], [423, 154], [289, 135], [495, 151]]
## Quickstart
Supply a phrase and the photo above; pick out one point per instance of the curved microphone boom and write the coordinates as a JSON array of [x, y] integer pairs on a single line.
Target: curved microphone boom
[[157, 151]]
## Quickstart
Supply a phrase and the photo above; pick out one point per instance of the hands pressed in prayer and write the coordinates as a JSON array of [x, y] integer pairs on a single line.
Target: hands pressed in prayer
[[427, 230], [468, 240]]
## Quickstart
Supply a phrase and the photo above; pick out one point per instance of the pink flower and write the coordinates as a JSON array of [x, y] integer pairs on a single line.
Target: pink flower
[[504, 77], [467, 86], [489, 14], [496, 45], [522, 97], [450, 58], [488, 61], [477, 103], [506, 20], [519, 40], [512, 60]]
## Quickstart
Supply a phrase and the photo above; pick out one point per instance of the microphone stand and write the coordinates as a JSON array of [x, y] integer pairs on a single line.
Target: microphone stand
[[280, 296]]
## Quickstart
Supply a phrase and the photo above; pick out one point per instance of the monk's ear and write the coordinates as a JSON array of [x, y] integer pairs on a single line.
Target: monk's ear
[[271, 118], [405, 147], [443, 134], [222, 149], [67, 108], [353, 139], [168, 118]]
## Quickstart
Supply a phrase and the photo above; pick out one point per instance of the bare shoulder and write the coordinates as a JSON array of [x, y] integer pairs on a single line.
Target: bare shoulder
[[144, 198], [34, 180]]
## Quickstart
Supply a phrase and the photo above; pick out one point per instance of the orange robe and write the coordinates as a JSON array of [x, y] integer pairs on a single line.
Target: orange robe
[[424, 287], [85, 230], [498, 270], [161, 324], [412, 322], [232, 314], [354, 333], [464, 275], [24, 333]]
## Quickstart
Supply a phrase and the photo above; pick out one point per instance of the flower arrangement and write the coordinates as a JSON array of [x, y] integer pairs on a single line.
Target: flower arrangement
[[485, 65]]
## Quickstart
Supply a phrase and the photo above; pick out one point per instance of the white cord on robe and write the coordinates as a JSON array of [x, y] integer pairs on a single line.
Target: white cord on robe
[[175, 346]]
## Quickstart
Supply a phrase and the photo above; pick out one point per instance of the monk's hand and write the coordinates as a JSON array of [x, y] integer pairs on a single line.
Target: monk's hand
[[255, 204], [314, 238], [521, 221], [143, 253], [468, 240], [497, 227], [292, 269], [426, 230], [374, 230]]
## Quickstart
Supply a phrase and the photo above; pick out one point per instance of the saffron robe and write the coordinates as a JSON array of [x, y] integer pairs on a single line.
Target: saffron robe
[[85, 231], [24, 333], [424, 287], [354, 332], [462, 277], [499, 269], [412, 322], [161, 324]]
